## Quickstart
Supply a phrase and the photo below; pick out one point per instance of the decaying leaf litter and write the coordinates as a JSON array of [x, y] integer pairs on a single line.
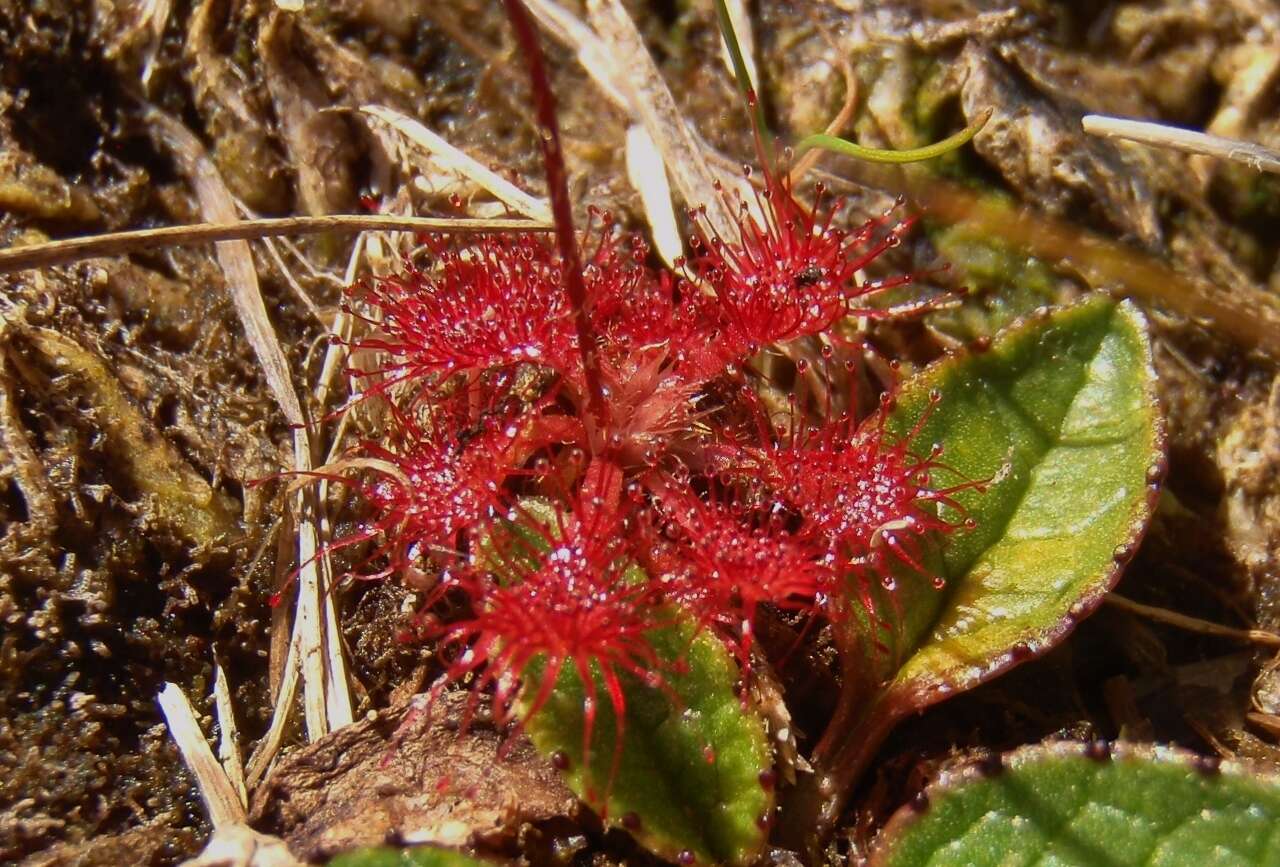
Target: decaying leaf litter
[[135, 413]]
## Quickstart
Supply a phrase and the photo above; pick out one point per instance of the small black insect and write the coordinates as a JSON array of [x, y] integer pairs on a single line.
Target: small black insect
[[809, 276]]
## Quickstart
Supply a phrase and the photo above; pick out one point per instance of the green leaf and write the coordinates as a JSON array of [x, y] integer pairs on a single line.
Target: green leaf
[[1075, 804], [691, 772], [1060, 413], [417, 856]]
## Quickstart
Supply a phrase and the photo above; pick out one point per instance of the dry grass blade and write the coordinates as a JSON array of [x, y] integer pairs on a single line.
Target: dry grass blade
[[262, 756], [228, 748], [1193, 624], [454, 160], [326, 698], [216, 789], [741, 20], [648, 177], [1160, 135], [657, 110], [591, 52], [117, 243], [645, 168]]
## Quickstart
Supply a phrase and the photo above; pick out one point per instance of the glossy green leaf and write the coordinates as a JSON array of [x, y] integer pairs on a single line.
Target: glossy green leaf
[[1059, 414], [417, 856], [692, 758], [1072, 804]]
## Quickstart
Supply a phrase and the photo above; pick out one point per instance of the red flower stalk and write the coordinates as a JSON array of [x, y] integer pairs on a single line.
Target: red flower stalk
[[560, 598], [482, 303], [724, 559], [792, 272]]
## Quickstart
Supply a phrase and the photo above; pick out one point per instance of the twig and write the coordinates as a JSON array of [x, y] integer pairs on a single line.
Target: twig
[[116, 243], [1254, 156], [1193, 624], [215, 788]]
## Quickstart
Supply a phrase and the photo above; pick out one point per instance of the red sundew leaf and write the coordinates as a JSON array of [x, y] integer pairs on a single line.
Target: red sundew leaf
[[670, 754], [722, 560], [791, 273], [863, 490], [481, 303], [553, 594], [427, 482]]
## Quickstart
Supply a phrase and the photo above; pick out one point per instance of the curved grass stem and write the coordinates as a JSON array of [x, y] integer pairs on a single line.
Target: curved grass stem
[[883, 155]]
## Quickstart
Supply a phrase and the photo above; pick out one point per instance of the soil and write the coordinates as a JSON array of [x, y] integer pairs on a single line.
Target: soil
[[141, 543]]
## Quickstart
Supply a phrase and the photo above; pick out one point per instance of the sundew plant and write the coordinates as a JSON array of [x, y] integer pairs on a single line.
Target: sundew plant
[[608, 480]]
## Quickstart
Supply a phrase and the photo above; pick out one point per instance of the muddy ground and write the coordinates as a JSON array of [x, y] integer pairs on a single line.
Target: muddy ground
[[135, 418]]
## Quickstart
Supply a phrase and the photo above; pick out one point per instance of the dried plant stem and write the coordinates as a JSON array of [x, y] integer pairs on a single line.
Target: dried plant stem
[[656, 109], [215, 788], [117, 243], [1246, 314], [648, 177], [326, 698], [228, 748], [1193, 624], [592, 54], [459, 163], [561, 205], [1189, 141], [646, 168], [262, 756]]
